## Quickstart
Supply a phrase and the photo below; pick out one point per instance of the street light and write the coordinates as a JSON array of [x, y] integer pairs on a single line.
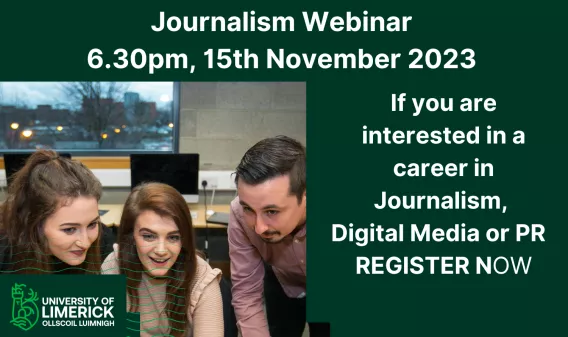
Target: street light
[[27, 133], [117, 130], [171, 125], [14, 126], [59, 128], [104, 135]]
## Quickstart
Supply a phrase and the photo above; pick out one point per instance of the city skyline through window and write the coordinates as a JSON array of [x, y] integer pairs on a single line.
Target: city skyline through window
[[88, 116]]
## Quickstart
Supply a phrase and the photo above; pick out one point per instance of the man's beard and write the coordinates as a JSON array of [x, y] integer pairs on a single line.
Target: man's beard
[[271, 241], [299, 227]]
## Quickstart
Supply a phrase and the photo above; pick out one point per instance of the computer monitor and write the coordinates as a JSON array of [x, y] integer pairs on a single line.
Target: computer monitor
[[179, 170], [13, 162]]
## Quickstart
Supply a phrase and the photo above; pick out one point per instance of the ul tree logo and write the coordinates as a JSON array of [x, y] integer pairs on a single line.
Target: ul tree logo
[[25, 313]]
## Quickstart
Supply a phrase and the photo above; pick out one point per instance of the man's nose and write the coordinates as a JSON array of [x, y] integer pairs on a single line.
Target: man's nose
[[260, 226]]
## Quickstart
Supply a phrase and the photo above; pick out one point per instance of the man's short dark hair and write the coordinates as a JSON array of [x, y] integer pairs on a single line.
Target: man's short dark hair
[[274, 157]]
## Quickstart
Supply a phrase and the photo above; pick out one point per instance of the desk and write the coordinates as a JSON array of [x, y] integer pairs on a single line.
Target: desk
[[112, 217]]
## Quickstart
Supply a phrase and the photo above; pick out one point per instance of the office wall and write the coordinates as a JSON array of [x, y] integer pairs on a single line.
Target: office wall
[[221, 120]]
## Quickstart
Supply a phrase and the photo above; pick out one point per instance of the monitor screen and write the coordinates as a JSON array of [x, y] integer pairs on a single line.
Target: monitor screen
[[13, 162], [179, 170]]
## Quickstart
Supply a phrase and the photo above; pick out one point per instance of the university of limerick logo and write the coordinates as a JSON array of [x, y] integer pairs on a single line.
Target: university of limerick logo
[[25, 313]]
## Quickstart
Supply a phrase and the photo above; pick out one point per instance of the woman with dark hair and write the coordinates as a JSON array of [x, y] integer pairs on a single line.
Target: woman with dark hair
[[176, 292], [50, 221]]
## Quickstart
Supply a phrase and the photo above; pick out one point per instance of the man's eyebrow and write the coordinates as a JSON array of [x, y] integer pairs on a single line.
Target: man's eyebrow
[[270, 206]]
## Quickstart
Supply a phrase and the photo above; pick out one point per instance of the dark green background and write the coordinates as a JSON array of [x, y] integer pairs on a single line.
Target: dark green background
[[520, 62]]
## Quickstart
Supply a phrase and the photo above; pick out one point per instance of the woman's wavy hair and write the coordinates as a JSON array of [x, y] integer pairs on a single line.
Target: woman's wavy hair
[[45, 183]]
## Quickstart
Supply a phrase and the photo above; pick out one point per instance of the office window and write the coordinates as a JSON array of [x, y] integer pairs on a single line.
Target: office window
[[89, 117]]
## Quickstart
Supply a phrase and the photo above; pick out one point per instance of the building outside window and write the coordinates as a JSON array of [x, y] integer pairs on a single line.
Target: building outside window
[[100, 118]]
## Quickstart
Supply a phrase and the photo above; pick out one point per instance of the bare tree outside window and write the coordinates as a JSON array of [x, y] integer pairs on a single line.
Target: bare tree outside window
[[87, 116]]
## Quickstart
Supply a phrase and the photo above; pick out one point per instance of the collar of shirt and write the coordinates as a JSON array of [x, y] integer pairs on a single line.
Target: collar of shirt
[[301, 234]]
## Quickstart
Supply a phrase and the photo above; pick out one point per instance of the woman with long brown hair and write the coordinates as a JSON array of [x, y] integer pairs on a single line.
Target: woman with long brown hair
[[50, 221], [176, 292]]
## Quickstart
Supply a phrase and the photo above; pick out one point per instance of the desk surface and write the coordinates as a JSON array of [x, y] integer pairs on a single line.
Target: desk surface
[[112, 217]]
